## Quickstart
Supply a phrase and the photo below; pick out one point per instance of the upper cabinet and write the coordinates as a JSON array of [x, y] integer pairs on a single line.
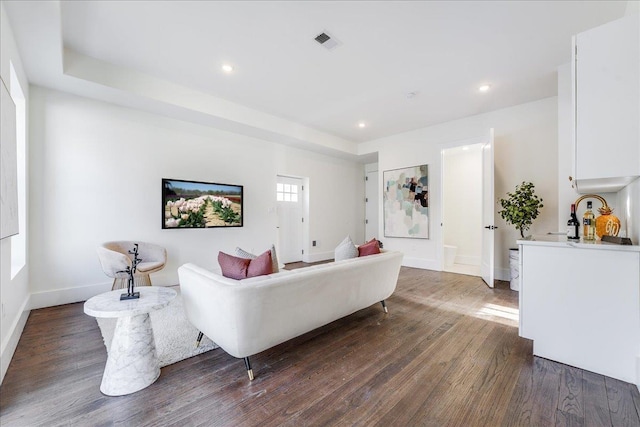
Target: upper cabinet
[[606, 96]]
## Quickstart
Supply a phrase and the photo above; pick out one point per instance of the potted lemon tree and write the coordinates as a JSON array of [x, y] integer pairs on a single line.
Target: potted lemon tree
[[519, 209]]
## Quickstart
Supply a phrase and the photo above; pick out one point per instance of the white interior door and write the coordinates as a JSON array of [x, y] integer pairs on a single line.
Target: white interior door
[[371, 206], [289, 196], [488, 209]]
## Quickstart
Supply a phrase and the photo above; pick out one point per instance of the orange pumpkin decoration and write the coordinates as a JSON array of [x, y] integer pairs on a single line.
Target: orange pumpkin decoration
[[607, 224]]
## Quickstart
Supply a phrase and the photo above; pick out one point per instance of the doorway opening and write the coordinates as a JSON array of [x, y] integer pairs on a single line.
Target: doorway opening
[[290, 201], [462, 208], [371, 205]]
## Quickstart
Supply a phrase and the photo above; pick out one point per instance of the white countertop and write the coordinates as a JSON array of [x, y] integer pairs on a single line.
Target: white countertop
[[561, 240]]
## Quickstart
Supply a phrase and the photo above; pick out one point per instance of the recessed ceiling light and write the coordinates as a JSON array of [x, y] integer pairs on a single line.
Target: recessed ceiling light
[[227, 68], [484, 88], [362, 125]]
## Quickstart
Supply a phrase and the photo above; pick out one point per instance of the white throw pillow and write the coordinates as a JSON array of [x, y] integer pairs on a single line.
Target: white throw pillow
[[244, 254], [345, 250], [274, 258]]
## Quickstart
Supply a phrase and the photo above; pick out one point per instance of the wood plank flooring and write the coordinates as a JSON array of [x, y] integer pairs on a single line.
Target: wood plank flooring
[[447, 354]]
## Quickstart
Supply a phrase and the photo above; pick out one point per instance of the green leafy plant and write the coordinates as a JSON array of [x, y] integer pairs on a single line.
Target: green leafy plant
[[229, 216], [521, 207]]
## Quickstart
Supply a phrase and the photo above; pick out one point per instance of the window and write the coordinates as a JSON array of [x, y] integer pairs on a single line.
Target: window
[[287, 192]]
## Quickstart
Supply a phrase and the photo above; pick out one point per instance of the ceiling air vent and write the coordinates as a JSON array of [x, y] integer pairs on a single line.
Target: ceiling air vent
[[322, 37], [327, 40]]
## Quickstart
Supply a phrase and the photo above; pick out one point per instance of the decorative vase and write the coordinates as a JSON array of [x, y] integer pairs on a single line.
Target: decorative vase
[[607, 224]]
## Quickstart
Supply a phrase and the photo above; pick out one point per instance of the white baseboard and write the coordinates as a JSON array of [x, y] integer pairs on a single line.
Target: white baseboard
[[467, 259], [638, 372], [162, 278], [77, 294], [502, 274], [10, 345], [424, 264], [318, 256], [67, 295]]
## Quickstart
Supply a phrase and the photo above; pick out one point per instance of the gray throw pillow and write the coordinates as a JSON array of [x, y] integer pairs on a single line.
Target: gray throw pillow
[[345, 250], [248, 255], [244, 254]]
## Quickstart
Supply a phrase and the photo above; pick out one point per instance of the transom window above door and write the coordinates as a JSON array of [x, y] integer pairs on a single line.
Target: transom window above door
[[286, 192]]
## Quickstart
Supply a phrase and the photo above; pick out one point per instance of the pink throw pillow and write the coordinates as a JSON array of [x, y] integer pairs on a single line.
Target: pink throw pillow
[[233, 267], [260, 265], [370, 248]]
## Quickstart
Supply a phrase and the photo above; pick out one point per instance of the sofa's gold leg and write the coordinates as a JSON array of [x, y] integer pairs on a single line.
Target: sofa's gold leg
[[200, 334], [384, 306], [247, 364]]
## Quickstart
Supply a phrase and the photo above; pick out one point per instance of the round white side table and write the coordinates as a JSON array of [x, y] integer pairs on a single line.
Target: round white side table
[[132, 363]]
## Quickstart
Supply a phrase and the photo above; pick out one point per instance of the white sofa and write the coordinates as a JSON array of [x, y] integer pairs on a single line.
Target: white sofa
[[248, 316]]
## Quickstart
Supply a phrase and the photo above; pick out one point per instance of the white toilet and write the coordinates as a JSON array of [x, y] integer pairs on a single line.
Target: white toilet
[[449, 255]]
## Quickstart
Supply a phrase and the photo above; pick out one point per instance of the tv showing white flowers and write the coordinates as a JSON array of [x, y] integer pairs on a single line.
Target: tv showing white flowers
[[195, 204]]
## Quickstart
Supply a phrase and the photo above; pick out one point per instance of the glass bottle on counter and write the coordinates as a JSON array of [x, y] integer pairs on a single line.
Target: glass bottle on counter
[[589, 224], [573, 225]]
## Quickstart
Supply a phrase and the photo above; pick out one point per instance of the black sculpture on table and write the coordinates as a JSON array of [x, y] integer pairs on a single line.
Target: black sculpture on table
[[131, 270]]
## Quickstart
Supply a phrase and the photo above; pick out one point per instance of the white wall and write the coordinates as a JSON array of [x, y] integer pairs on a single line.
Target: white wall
[[336, 198], [525, 150], [628, 201], [372, 198], [14, 293], [462, 202], [96, 176]]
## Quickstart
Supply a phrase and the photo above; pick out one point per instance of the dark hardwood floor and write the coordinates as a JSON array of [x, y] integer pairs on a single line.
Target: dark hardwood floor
[[448, 353]]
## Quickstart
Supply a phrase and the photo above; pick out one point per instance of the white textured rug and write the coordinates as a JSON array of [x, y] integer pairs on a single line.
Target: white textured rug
[[175, 337]]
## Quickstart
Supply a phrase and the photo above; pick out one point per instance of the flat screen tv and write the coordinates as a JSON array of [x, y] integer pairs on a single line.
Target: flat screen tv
[[195, 204]]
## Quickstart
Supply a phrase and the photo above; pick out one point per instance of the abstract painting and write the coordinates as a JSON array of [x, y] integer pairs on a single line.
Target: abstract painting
[[406, 202]]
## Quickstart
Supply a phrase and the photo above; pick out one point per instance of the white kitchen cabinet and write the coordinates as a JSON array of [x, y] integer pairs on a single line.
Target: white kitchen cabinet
[[580, 304], [606, 95]]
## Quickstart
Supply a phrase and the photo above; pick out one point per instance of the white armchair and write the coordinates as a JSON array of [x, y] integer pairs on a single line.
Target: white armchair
[[115, 258]]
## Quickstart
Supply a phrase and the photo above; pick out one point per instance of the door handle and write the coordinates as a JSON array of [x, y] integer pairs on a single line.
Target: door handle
[[491, 227]]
